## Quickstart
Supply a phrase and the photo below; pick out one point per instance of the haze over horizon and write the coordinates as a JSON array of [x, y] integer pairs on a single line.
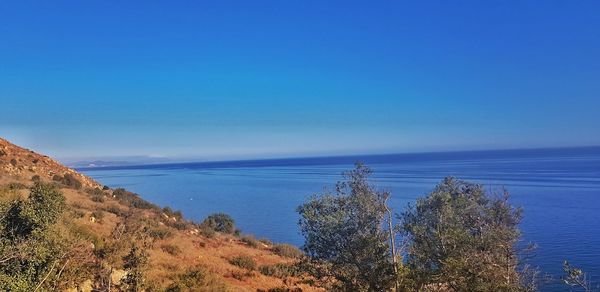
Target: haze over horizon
[[240, 80]]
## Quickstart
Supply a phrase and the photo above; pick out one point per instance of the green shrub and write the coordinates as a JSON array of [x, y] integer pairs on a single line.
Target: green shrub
[[132, 199], [220, 222], [244, 262], [27, 230], [279, 270], [287, 250]]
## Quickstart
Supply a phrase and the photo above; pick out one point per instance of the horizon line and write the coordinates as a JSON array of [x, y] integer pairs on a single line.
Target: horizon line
[[224, 162]]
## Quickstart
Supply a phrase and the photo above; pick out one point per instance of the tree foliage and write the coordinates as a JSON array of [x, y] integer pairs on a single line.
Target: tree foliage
[[345, 237], [29, 250], [220, 222], [463, 239]]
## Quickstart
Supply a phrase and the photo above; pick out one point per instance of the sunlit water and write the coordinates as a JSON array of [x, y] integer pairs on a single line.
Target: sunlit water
[[559, 190]]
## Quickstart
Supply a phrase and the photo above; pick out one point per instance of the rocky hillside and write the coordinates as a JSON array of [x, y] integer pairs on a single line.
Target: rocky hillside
[[112, 240], [18, 162]]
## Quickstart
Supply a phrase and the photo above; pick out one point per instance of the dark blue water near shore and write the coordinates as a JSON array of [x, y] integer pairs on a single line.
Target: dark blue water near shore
[[559, 190]]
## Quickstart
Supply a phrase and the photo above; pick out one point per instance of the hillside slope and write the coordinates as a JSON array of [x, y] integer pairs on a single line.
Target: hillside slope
[[100, 227]]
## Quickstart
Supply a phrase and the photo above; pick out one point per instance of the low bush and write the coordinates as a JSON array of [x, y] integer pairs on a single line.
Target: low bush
[[160, 233], [16, 186], [250, 241], [244, 262], [179, 224], [171, 249], [279, 270], [241, 276], [197, 279], [112, 208], [132, 199], [98, 215], [206, 231], [13, 162], [98, 198], [220, 222], [287, 250], [70, 181], [36, 178]]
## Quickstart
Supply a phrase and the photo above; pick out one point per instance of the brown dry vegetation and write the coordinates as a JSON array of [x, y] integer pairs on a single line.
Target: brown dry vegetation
[[174, 244]]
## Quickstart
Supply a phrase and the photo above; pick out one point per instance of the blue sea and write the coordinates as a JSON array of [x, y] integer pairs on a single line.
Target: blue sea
[[558, 189]]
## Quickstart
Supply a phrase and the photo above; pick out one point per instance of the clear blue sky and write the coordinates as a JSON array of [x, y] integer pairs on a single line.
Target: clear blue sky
[[224, 79]]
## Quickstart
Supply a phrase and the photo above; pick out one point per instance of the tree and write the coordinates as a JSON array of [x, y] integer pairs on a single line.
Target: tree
[[463, 239], [345, 235]]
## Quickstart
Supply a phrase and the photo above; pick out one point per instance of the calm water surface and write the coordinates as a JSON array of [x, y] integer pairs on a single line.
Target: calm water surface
[[559, 190]]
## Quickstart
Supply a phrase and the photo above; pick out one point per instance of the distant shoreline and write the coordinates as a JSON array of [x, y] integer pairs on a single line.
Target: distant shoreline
[[350, 159]]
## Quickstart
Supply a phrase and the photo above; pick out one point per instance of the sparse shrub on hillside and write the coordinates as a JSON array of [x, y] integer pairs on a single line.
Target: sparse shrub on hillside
[[160, 233], [94, 191], [132, 199], [98, 215], [206, 231], [105, 188], [135, 263], [98, 198], [13, 162], [242, 275], [69, 180], [250, 241], [220, 222], [36, 178], [2, 152], [16, 186], [287, 250], [197, 279], [244, 262], [171, 249], [112, 208], [178, 214], [179, 224], [279, 270], [57, 178]]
